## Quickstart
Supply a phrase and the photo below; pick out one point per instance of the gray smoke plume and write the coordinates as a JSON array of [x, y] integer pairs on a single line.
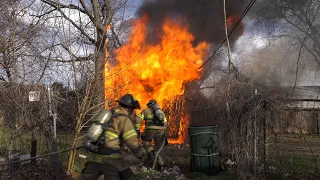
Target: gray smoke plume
[[205, 18]]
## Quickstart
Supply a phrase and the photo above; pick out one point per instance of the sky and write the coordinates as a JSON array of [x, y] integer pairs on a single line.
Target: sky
[[245, 49]]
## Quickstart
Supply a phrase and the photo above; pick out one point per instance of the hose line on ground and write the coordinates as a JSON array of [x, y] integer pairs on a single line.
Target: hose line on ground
[[41, 156]]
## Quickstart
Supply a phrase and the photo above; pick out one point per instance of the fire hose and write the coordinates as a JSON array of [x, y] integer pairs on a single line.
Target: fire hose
[[41, 156], [78, 147]]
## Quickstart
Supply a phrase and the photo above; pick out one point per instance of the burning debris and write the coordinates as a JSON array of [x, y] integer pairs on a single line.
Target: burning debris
[[156, 71], [163, 53]]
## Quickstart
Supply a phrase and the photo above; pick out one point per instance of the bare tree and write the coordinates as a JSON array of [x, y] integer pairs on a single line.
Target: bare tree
[[94, 32], [20, 42], [294, 20], [20, 62]]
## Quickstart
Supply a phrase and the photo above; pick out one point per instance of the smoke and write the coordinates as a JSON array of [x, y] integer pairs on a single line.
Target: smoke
[[275, 64], [205, 18]]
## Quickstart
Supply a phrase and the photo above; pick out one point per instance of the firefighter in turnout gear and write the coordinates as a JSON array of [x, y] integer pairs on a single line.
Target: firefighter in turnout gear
[[155, 129], [106, 157]]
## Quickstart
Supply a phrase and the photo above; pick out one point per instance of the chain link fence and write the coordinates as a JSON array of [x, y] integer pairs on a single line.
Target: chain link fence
[[26, 130]]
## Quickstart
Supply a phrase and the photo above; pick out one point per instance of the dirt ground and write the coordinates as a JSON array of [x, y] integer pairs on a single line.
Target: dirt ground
[[177, 158], [290, 156]]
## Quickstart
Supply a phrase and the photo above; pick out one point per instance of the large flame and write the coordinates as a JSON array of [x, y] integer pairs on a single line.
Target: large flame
[[155, 71]]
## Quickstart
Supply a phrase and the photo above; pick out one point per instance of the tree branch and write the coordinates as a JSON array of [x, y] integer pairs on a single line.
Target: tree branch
[[83, 4], [41, 15], [96, 20], [210, 87], [116, 36], [57, 7], [302, 44], [76, 59], [62, 6]]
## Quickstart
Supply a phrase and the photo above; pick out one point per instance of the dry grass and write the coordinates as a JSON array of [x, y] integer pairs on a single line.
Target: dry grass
[[294, 155]]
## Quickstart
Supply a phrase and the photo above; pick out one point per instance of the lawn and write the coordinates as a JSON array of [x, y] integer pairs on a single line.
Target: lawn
[[294, 155]]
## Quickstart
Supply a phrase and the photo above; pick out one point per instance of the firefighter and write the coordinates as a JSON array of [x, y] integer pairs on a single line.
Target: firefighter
[[155, 129], [106, 157]]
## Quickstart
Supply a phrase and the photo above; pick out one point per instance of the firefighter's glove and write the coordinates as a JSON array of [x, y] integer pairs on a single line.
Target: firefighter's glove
[[143, 160], [143, 157], [143, 136], [90, 147], [152, 154]]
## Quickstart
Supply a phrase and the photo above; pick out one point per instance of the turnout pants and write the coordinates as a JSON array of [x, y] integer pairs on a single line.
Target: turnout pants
[[158, 136], [111, 170]]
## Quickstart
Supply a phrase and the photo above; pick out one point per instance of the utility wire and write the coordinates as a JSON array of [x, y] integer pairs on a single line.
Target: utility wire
[[237, 24]]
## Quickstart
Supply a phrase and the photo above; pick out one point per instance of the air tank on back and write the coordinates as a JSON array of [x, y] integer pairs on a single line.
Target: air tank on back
[[158, 112], [95, 130]]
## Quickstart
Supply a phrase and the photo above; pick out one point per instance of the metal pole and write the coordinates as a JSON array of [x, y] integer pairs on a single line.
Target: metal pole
[[49, 97], [52, 115], [54, 126]]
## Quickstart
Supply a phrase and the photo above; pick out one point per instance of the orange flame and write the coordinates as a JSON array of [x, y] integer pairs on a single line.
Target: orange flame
[[182, 132], [158, 71], [108, 27]]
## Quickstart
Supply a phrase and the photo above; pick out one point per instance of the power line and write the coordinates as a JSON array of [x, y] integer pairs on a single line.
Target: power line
[[229, 34]]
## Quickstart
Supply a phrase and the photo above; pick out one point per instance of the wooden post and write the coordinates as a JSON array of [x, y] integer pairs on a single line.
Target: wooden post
[[33, 152], [318, 124]]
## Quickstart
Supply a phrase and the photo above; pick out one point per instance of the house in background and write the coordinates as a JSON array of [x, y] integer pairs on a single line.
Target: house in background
[[301, 110]]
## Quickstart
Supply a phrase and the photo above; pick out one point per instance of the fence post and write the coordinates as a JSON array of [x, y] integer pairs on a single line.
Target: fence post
[[56, 165], [33, 152], [318, 118]]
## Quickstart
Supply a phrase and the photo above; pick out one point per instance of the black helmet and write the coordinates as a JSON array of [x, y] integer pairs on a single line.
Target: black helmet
[[151, 103], [129, 101]]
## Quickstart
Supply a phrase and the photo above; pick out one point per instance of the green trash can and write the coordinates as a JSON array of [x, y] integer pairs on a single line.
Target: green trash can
[[204, 149]]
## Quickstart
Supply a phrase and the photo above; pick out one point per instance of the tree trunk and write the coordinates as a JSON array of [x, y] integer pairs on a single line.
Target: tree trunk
[[99, 74], [72, 154], [101, 52]]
